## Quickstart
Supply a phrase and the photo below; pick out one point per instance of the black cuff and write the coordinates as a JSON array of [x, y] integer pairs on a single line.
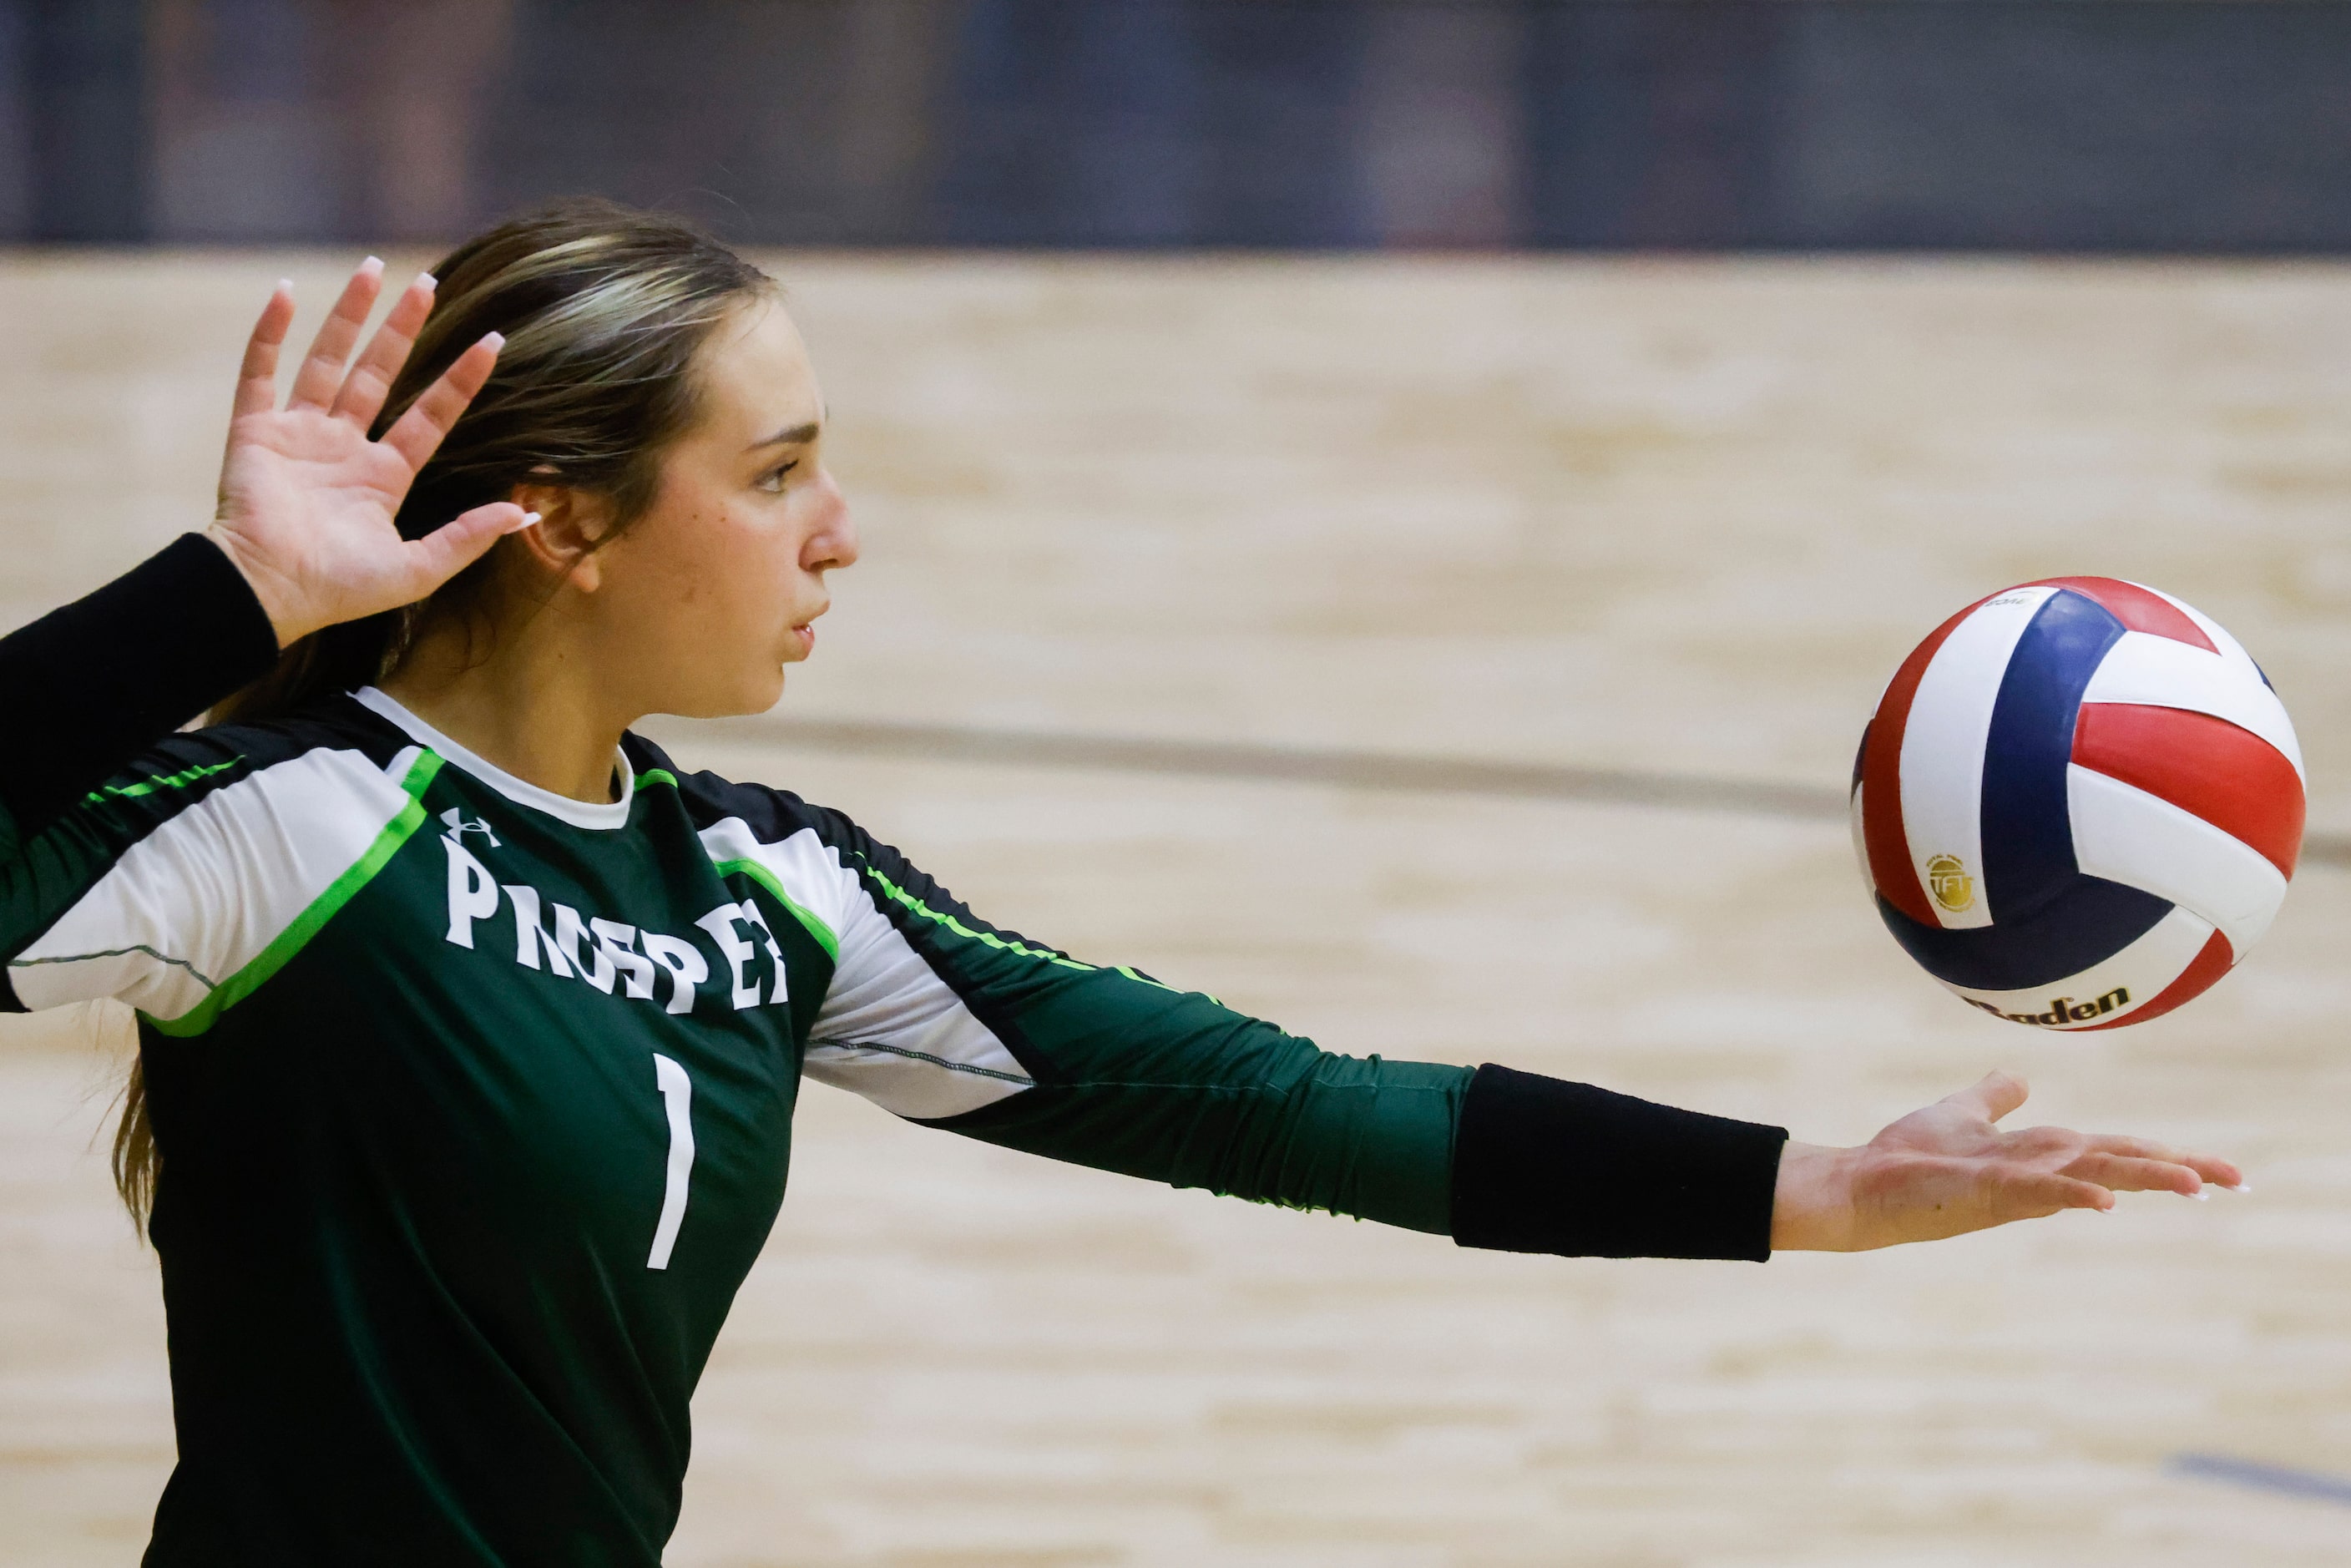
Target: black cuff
[[91, 686], [1540, 1165]]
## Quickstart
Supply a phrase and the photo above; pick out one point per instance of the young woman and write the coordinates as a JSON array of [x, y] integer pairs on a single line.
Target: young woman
[[471, 1028]]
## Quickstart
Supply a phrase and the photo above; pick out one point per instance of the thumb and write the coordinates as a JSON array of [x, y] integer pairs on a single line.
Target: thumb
[[1993, 1096], [460, 542]]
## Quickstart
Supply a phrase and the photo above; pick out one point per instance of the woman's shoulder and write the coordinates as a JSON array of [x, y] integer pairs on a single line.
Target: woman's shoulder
[[335, 722], [709, 796], [714, 801], [316, 770], [192, 763]]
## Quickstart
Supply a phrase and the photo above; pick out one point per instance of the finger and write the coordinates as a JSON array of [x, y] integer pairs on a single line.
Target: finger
[[1992, 1097], [364, 388], [2138, 1148], [2125, 1173], [458, 544], [256, 378], [2029, 1197], [2217, 1171], [321, 374], [416, 434], [2210, 1168]]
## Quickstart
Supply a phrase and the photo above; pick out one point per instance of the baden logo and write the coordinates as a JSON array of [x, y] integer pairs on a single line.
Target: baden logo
[[2062, 1010], [1948, 879]]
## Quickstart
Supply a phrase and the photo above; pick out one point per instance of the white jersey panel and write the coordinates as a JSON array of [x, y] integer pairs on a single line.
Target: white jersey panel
[[888, 1029], [201, 897], [1943, 743], [803, 868], [2163, 671], [893, 1030], [2124, 834]]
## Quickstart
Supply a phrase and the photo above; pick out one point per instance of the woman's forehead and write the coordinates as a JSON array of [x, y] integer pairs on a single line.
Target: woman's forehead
[[759, 375]]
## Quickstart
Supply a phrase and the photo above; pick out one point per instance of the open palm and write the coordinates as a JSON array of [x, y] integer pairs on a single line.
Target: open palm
[[308, 501], [1947, 1168]]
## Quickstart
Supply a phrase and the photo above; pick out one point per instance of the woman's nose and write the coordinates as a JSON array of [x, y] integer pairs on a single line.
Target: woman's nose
[[834, 543]]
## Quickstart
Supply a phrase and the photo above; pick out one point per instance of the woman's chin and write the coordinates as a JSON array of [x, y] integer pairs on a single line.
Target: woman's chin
[[754, 696]]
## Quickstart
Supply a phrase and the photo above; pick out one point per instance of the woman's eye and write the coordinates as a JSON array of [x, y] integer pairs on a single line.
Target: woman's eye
[[772, 481]]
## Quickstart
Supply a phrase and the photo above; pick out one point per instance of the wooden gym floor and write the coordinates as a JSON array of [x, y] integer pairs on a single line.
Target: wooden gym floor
[[1659, 518]]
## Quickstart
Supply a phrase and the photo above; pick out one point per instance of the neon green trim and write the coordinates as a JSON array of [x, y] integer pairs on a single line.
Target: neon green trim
[[180, 780], [323, 908], [653, 776], [1162, 985], [766, 879], [986, 938]]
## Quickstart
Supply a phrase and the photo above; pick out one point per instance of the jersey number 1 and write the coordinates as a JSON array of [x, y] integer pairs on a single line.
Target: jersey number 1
[[677, 1098]]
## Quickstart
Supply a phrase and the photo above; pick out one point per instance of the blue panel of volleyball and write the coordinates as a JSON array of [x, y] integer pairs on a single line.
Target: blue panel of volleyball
[[2078, 803]]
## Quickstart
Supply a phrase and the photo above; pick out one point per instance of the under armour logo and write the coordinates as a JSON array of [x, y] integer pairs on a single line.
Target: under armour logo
[[459, 827]]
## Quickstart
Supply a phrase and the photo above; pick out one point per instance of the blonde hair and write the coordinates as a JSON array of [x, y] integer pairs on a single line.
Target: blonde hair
[[605, 311]]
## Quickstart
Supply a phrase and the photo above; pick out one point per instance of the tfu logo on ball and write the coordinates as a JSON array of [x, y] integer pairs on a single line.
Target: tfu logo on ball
[[1948, 879]]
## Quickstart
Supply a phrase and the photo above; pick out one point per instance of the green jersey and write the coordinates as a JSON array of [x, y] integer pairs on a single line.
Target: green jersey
[[475, 1107]]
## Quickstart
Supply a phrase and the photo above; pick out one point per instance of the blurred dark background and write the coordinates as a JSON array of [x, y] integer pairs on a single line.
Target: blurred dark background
[[2036, 125]]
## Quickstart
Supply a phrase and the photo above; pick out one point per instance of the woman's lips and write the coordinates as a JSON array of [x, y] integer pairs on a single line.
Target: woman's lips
[[805, 636]]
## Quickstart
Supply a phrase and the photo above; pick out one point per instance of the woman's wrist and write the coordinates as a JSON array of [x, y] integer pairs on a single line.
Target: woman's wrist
[[268, 591], [1811, 1202]]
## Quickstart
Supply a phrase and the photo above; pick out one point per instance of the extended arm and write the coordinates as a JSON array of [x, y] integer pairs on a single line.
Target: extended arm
[[960, 1024], [956, 1023]]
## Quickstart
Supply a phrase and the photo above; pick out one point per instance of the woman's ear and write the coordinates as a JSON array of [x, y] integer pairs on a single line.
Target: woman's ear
[[562, 543]]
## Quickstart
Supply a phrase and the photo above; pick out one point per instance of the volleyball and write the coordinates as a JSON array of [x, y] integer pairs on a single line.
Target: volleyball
[[2078, 803]]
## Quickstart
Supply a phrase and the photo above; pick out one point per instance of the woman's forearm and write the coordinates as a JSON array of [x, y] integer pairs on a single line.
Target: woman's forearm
[[1544, 1165], [95, 683]]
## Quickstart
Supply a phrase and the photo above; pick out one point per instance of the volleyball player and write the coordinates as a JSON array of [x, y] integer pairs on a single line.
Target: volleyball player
[[470, 1028]]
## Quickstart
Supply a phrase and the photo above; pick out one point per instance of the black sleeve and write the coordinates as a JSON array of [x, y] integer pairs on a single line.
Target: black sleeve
[[1540, 1165], [91, 686]]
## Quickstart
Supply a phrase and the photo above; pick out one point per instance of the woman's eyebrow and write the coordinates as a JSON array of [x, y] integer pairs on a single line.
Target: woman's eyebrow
[[796, 434]]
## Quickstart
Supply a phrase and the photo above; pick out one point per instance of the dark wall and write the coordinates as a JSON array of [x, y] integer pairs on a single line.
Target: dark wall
[[2099, 125]]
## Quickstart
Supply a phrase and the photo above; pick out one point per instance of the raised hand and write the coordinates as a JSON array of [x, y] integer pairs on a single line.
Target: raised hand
[[307, 501], [1948, 1169]]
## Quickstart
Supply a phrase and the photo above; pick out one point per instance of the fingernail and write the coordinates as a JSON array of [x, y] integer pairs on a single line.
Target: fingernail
[[2202, 1194], [373, 264], [286, 286], [529, 521], [2242, 1186], [426, 280], [494, 341]]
